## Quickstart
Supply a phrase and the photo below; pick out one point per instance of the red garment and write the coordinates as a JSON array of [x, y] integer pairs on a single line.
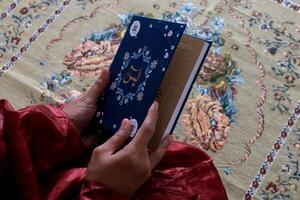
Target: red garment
[[42, 157]]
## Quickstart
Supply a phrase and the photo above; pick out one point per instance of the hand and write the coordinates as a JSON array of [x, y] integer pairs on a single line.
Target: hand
[[126, 169], [82, 110]]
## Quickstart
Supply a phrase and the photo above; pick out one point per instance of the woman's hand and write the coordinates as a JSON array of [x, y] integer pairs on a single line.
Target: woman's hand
[[82, 110], [125, 169]]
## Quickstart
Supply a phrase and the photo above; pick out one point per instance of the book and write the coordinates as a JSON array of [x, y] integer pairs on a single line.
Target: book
[[141, 71]]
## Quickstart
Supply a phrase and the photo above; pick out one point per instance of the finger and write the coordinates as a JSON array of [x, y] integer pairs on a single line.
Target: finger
[[158, 154], [93, 93], [119, 138], [147, 129]]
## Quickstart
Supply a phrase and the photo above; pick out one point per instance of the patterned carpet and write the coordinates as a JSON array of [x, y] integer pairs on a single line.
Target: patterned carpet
[[243, 108]]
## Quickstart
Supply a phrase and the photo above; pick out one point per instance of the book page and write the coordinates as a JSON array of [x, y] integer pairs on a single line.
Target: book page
[[174, 82]]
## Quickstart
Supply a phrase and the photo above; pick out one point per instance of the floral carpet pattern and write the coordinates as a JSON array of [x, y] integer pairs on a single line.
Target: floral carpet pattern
[[243, 108]]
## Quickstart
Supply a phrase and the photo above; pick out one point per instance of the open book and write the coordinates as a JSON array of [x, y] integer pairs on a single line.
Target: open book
[[154, 60]]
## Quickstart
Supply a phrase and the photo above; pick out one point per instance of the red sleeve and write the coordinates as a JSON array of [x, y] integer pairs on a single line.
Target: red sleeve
[[92, 190], [42, 134], [35, 140]]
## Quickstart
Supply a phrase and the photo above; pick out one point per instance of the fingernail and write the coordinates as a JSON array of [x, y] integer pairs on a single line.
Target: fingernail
[[156, 105], [124, 124], [168, 140], [101, 73], [171, 138]]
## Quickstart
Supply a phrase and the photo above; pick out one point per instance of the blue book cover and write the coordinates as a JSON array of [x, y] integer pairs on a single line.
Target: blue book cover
[[137, 71]]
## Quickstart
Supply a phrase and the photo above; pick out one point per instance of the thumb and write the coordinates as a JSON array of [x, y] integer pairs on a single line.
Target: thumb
[[119, 138], [93, 93], [158, 154]]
